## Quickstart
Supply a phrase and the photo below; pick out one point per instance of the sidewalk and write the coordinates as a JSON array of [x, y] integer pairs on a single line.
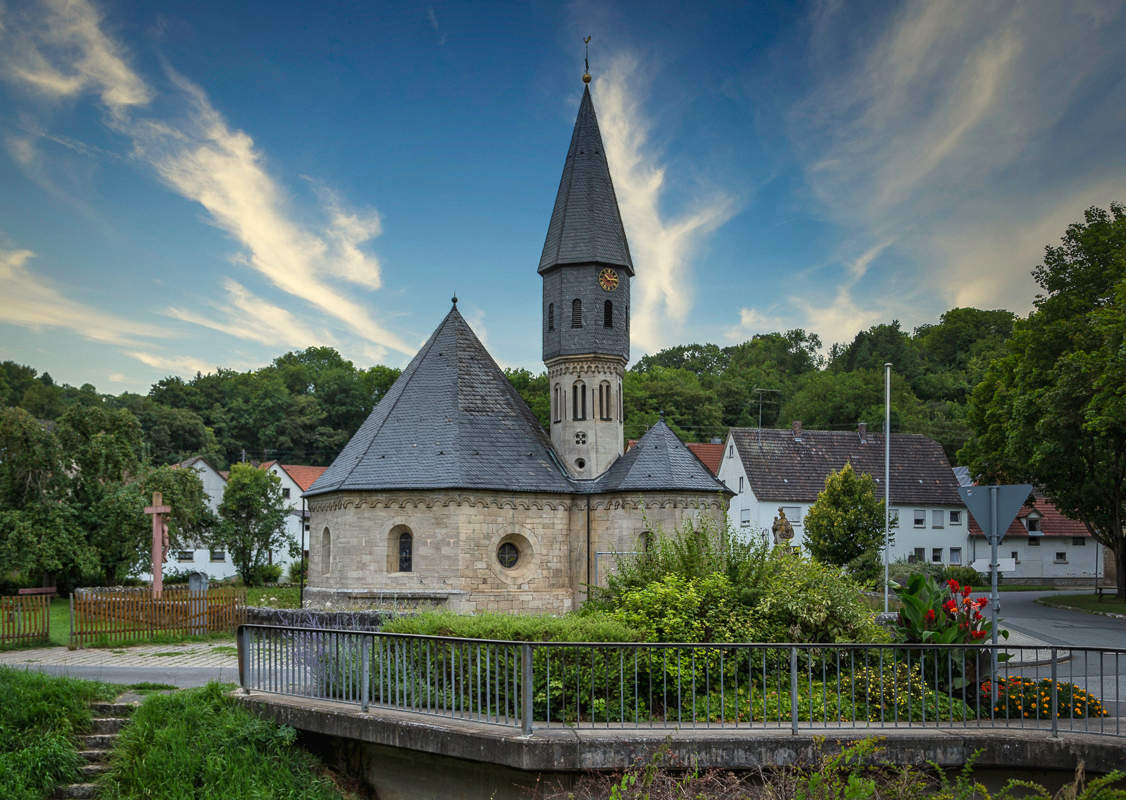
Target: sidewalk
[[183, 665]]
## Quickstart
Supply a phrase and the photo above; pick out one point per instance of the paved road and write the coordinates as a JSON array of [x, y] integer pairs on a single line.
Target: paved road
[[1057, 625]]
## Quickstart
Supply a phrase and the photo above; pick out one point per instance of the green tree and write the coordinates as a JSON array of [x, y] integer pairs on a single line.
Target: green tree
[[827, 399], [690, 410], [1051, 413], [534, 390], [252, 519], [847, 521]]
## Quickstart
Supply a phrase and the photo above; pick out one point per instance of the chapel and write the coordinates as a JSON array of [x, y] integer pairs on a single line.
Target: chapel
[[452, 494]]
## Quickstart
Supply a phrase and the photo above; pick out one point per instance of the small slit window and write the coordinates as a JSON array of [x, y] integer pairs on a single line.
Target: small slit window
[[406, 552], [608, 315], [326, 551], [557, 404], [551, 316], [576, 313], [578, 400], [605, 408]]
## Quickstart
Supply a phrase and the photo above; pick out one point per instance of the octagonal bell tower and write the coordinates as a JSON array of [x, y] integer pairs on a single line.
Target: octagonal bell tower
[[586, 269]]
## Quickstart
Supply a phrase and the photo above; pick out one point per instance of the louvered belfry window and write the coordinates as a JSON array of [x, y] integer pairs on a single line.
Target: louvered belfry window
[[608, 315], [576, 313]]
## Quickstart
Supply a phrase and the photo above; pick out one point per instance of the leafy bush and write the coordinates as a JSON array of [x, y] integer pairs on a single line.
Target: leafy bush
[[594, 627], [265, 573], [38, 715], [967, 576], [1018, 698], [199, 743], [294, 574], [174, 576], [898, 691], [847, 520], [679, 609]]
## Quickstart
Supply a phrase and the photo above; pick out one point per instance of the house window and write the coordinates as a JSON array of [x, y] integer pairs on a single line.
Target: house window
[[1033, 523], [920, 555], [936, 555], [551, 316], [285, 493], [955, 517], [894, 517], [218, 555], [608, 315], [1033, 541], [578, 400], [1014, 556], [920, 518], [406, 552], [731, 451], [937, 519], [745, 518], [185, 555], [1078, 541], [955, 556], [793, 514], [1061, 558], [740, 484], [576, 313]]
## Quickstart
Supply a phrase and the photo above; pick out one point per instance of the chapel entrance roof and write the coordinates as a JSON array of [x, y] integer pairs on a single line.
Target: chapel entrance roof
[[451, 420], [659, 461], [586, 225]]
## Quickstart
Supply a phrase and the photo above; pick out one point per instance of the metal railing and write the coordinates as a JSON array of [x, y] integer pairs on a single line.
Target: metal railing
[[740, 686]]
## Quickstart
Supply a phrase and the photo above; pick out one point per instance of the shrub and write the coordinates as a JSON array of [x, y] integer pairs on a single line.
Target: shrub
[[594, 627], [296, 568], [678, 609], [899, 691], [265, 573], [1018, 698], [967, 576]]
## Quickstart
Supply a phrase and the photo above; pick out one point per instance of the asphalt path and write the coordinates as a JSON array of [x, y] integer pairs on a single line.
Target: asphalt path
[[183, 677]]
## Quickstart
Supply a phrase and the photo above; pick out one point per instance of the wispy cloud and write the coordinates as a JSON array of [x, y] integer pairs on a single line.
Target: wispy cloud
[[32, 301], [661, 245], [953, 141], [752, 321], [249, 317], [64, 52], [179, 365]]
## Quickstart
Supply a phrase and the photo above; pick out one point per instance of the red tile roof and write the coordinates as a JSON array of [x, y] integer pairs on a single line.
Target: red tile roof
[[710, 454], [1052, 522], [303, 476]]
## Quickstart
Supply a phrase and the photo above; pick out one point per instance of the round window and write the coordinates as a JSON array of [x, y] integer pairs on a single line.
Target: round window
[[508, 554]]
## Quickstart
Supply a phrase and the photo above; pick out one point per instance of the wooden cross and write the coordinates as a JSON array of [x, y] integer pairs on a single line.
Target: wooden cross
[[159, 541]]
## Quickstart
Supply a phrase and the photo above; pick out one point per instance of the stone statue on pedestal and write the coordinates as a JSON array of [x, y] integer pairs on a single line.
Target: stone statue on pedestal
[[783, 530]]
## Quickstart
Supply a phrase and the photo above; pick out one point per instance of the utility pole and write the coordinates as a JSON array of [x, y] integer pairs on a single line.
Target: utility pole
[[887, 479]]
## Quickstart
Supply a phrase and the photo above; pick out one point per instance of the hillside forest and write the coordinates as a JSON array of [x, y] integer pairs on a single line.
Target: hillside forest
[[304, 406]]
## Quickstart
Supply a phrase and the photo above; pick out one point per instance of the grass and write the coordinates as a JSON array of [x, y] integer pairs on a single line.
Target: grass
[[38, 715], [200, 743], [1085, 602], [273, 596]]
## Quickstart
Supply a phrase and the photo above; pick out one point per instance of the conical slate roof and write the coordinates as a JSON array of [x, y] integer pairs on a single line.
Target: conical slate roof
[[586, 226], [660, 461], [451, 420]]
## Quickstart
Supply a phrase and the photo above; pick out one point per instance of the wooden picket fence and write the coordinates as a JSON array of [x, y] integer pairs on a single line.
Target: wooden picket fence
[[26, 618], [113, 615]]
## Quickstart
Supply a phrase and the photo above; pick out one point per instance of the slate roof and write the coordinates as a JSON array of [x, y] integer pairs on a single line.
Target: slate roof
[[1052, 522], [451, 420], [783, 468], [586, 226], [711, 454], [658, 462]]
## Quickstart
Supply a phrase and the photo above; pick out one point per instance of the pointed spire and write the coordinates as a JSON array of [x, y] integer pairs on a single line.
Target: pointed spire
[[586, 226]]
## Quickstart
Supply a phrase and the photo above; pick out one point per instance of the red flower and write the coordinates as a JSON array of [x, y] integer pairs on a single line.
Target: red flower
[[978, 634], [982, 602], [953, 584], [965, 591], [978, 615], [930, 615], [949, 606]]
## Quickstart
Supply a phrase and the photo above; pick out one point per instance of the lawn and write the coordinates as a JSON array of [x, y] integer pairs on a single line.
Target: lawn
[[273, 596], [1085, 602]]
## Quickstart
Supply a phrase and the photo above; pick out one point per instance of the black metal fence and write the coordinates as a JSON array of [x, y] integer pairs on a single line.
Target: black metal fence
[[784, 686]]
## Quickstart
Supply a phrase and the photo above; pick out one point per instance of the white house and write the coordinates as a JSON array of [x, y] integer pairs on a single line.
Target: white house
[[296, 480], [770, 469], [1048, 547]]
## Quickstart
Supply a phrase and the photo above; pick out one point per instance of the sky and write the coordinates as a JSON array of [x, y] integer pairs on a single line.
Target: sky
[[185, 186]]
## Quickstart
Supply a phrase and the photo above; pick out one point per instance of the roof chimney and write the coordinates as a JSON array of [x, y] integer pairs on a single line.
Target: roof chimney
[[863, 431], [717, 440], [795, 426]]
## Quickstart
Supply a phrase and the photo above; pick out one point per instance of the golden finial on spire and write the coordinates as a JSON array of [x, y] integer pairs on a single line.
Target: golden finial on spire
[[586, 75]]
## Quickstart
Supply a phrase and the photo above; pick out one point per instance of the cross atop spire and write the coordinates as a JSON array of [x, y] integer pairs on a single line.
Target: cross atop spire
[[586, 225]]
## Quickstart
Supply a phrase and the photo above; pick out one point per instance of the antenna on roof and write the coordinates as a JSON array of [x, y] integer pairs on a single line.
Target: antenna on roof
[[761, 392], [586, 60]]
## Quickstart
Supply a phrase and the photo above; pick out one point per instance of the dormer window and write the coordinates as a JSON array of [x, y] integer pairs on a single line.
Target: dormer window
[[551, 316], [608, 315], [1033, 524], [576, 313]]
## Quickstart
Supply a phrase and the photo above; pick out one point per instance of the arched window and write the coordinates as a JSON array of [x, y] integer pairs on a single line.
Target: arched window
[[551, 316], [557, 404], [605, 404], [608, 315], [406, 552], [326, 552], [576, 313], [578, 400]]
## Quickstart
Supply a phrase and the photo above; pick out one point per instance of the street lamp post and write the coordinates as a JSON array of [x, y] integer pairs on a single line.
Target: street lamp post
[[887, 478]]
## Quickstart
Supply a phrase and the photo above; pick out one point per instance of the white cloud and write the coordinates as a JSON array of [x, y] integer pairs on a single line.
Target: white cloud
[[65, 53], [752, 321], [248, 316], [34, 302], [186, 366], [662, 247], [953, 141]]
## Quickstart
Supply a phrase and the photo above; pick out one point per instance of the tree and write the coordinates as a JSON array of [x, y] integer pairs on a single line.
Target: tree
[[1052, 413], [534, 390], [847, 521], [252, 519], [841, 399]]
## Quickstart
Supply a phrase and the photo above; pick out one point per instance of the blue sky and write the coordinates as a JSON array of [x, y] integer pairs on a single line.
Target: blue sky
[[192, 185]]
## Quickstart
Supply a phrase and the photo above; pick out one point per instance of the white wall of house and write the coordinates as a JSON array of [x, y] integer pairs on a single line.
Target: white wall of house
[[1065, 558], [291, 493]]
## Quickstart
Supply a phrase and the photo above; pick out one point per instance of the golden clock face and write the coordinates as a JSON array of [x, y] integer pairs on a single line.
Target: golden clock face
[[608, 279]]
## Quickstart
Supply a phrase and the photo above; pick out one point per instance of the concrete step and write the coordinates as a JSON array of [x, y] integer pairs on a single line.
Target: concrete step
[[97, 741], [91, 771], [108, 724], [94, 756], [113, 709], [81, 791]]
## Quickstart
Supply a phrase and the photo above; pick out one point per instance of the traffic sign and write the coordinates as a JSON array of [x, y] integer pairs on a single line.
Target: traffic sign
[[1009, 500]]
